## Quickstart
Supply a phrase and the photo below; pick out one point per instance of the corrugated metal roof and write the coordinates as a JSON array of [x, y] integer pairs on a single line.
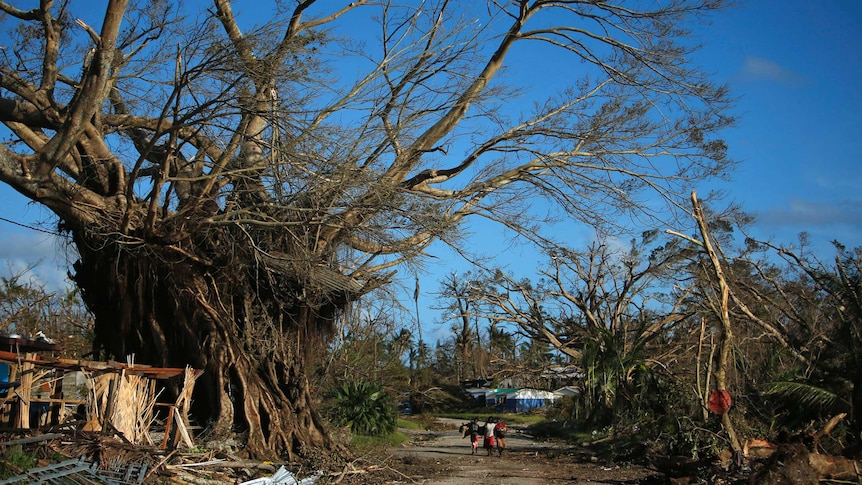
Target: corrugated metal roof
[[335, 281], [79, 472], [317, 275]]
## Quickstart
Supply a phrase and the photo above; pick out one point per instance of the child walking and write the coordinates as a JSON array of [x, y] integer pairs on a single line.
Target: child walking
[[500, 430], [490, 442]]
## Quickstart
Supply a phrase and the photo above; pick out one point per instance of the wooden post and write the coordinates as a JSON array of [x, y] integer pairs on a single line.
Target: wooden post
[[168, 424], [182, 408], [22, 420], [58, 408]]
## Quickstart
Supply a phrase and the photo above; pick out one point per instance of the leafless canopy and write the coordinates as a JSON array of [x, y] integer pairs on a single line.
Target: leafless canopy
[[378, 144], [621, 293]]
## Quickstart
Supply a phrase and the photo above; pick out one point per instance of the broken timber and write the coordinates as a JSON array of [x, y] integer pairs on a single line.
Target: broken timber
[[121, 397]]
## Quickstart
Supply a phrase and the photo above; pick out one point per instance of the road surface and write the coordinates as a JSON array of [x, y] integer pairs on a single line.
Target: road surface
[[442, 457]]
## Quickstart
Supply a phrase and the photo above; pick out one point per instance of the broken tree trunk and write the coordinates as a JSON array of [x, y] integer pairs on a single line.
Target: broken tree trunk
[[726, 337]]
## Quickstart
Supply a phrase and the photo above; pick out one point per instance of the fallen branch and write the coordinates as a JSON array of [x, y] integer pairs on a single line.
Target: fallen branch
[[835, 467], [160, 464], [349, 469], [830, 425]]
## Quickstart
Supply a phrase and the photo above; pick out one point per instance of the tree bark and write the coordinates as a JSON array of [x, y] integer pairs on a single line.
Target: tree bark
[[168, 310]]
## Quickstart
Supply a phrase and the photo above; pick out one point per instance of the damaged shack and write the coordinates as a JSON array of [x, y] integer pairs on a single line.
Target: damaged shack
[[41, 391]]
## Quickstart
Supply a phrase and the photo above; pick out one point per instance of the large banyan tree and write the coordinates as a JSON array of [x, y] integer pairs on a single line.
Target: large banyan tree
[[231, 176]]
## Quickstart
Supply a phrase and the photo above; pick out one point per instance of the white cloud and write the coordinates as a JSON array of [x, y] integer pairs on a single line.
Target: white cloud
[[758, 69], [38, 254], [29, 246], [811, 214]]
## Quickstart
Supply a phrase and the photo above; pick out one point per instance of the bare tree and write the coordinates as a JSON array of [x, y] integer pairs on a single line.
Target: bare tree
[[366, 347], [229, 187], [457, 305], [605, 308], [798, 306], [604, 288], [811, 310], [721, 307]]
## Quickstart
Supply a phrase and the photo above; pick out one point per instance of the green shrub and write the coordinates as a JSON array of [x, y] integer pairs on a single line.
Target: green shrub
[[365, 408], [15, 459]]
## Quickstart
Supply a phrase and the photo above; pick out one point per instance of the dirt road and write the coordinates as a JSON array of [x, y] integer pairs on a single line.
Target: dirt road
[[442, 457]]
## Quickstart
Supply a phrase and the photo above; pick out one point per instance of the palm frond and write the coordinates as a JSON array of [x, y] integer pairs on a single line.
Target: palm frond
[[803, 394]]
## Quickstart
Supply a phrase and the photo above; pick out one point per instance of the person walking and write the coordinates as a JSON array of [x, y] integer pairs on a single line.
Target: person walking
[[490, 442], [500, 430], [471, 429]]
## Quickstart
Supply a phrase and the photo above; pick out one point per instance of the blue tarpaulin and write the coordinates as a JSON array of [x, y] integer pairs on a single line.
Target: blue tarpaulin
[[523, 400]]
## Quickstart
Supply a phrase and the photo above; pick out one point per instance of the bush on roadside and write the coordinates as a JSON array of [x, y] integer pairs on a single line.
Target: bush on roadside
[[364, 407]]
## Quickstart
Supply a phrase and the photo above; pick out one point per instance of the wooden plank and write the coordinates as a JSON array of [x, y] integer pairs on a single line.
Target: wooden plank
[[23, 392], [183, 432], [29, 345], [32, 439], [93, 366], [51, 400], [168, 424]]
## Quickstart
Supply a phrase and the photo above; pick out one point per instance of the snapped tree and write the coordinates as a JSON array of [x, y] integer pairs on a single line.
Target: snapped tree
[[230, 183]]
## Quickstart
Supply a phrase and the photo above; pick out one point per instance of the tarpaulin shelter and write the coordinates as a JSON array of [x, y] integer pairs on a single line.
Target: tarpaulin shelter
[[497, 397], [523, 400]]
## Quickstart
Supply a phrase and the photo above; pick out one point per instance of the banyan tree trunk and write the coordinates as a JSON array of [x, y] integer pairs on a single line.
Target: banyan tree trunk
[[856, 401], [170, 309]]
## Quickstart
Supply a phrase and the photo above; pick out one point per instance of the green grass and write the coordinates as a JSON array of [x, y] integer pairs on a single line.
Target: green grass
[[363, 442], [559, 430], [408, 423]]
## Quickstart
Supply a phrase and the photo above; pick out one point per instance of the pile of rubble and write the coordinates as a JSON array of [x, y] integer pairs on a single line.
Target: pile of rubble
[[70, 456], [103, 422]]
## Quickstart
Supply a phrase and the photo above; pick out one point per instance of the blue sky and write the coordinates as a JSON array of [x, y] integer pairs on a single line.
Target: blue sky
[[795, 67]]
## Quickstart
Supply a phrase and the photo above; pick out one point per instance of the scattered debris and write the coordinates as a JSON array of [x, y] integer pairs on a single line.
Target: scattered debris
[[801, 461], [110, 423], [120, 397], [282, 477], [79, 471], [97, 458], [756, 448]]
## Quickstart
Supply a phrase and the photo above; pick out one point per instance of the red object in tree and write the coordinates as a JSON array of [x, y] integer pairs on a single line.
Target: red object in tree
[[719, 401]]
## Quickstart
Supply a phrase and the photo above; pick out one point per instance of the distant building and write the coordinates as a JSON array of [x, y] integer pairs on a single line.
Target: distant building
[[512, 399], [481, 382], [497, 397], [525, 400], [567, 391]]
